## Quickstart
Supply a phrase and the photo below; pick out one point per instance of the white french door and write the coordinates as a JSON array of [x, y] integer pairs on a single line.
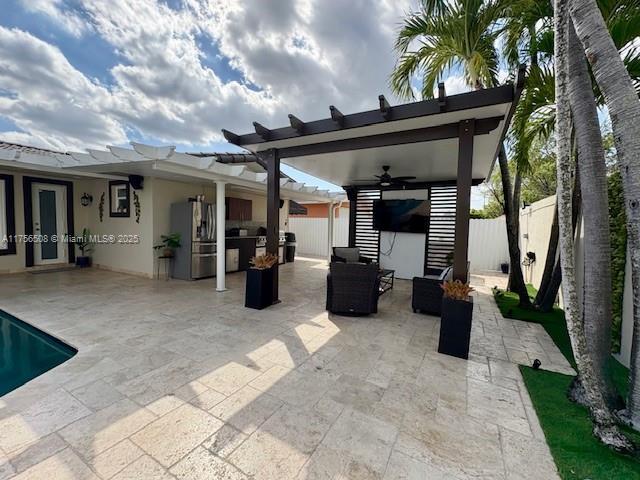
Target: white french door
[[49, 205]]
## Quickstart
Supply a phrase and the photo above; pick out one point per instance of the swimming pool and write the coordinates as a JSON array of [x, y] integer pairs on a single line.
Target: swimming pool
[[26, 352]]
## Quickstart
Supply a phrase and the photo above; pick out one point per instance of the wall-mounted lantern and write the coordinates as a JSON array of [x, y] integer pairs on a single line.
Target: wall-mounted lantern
[[86, 199]]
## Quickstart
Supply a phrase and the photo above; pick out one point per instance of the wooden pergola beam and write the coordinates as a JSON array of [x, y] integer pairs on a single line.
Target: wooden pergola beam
[[440, 132]]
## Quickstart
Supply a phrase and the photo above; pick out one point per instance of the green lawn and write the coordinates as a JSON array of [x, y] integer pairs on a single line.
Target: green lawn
[[578, 455]]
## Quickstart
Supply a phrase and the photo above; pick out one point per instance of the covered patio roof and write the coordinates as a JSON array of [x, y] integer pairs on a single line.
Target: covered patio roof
[[418, 139], [447, 140]]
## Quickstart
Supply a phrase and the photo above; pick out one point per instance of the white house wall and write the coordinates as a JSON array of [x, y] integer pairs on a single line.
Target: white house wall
[[136, 258]]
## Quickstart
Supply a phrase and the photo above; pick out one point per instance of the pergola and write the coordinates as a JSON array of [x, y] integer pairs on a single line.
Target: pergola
[[446, 141]]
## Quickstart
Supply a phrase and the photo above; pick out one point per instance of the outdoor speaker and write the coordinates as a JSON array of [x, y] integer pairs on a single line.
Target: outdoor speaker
[[136, 181]]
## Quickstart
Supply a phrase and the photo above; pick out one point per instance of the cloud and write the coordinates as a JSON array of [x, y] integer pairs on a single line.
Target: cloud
[[279, 57], [49, 97], [59, 13]]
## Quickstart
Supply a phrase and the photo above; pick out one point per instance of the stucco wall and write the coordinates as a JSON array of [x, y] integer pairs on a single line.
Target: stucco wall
[[535, 228], [123, 257]]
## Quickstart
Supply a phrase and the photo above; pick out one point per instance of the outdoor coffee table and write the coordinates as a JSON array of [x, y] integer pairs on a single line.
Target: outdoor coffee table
[[386, 280]]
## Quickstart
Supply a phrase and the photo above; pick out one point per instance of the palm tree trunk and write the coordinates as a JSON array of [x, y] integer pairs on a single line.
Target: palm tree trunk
[[604, 425], [550, 261], [596, 302], [549, 298], [516, 282], [624, 109]]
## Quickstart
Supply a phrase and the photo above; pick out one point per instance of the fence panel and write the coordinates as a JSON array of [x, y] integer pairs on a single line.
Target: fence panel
[[488, 246], [311, 234], [487, 239]]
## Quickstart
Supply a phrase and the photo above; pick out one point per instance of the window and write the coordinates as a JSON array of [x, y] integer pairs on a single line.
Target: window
[[119, 199], [7, 216]]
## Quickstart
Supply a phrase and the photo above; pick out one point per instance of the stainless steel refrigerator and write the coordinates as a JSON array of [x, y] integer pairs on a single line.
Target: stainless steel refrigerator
[[196, 223]]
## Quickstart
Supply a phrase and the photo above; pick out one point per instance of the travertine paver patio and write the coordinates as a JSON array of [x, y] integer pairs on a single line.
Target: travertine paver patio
[[173, 380]]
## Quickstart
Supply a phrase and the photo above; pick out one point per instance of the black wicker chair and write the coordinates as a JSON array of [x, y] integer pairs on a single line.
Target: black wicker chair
[[348, 255], [427, 292], [353, 288]]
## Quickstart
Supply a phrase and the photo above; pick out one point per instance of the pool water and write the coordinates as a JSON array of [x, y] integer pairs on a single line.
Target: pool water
[[26, 352]]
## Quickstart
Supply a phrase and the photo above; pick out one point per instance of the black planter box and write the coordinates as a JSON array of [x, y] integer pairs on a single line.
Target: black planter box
[[259, 288], [455, 327], [83, 262], [504, 267]]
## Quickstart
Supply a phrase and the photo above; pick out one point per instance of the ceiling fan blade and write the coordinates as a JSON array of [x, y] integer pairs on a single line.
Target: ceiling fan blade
[[406, 177]]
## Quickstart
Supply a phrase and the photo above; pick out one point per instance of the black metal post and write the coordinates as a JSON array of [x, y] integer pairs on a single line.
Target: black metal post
[[272, 159], [463, 200], [352, 195]]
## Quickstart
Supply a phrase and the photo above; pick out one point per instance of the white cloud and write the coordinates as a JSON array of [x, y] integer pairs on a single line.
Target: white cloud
[[50, 98], [290, 56], [56, 10]]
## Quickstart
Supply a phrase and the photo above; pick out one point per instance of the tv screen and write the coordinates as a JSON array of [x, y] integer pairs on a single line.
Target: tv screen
[[409, 215]]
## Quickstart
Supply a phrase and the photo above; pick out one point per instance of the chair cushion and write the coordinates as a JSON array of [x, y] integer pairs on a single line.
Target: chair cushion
[[350, 254], [447, 274]]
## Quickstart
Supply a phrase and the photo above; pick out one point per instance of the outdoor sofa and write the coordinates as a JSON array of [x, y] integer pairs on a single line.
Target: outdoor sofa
[[353, 288]]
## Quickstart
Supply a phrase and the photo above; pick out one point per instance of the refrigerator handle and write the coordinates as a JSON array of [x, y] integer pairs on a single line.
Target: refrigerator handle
[[212, 223]]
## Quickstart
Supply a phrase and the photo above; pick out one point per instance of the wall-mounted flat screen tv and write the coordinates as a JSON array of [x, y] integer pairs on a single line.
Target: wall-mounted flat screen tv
[[408, 215]]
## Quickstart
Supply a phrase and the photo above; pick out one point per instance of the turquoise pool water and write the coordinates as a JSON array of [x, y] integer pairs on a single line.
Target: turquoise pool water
[[26, 352]]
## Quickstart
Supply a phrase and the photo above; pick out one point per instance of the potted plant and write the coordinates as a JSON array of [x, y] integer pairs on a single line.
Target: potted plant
[[260, 278], [455, 319], [168, 244], [504, 267], [85, 245]]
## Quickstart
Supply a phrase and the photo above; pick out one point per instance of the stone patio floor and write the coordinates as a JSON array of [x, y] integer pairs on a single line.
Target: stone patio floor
[[174, 380]]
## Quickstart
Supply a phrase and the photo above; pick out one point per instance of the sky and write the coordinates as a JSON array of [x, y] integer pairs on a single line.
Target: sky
[[78, 74]]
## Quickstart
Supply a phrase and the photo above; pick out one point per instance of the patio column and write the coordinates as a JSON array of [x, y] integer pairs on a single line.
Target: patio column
[[221, 251], [272, 159], [330, 224], [463, 199], [352, 195]]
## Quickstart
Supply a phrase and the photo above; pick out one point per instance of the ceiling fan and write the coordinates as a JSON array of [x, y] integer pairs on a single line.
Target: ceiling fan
[[386, 180]]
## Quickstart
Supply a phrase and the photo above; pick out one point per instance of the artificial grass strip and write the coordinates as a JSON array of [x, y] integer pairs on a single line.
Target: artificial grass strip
[[566, 425], [567, 428]]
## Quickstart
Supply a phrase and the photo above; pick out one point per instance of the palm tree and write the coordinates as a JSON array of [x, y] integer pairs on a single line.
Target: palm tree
[[604, 424], [621, 97], [460, 34]]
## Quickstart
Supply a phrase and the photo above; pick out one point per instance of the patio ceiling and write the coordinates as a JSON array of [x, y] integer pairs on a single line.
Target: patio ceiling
[[418, 139]]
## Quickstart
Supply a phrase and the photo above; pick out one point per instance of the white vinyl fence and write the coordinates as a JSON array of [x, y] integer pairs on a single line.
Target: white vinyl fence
[[487, 239], [311, 234], [488, 246]]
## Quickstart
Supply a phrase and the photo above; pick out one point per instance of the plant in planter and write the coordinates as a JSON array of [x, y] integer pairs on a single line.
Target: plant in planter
[[260, 280], [456, 318], [168, 244], [85, 245]]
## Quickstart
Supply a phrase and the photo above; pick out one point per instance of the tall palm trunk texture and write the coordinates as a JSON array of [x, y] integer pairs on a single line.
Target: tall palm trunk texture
[[550, 260], [604, 424], [624, 109], [596, 302], [516, 283]]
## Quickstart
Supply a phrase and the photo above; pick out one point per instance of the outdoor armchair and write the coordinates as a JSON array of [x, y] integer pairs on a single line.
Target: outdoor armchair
[[348, 255], [427, 292], [353, 288]]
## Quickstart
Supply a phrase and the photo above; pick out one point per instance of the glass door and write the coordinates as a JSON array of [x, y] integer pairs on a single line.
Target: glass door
[[49, 205]]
